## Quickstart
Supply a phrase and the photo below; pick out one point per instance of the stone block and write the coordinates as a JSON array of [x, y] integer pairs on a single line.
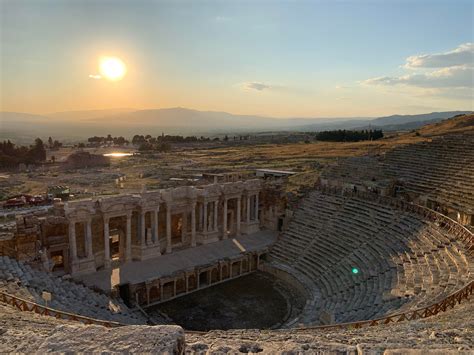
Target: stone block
[[159, 339]]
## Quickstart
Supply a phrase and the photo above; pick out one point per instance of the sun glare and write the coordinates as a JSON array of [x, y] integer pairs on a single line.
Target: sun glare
[[112, 68]]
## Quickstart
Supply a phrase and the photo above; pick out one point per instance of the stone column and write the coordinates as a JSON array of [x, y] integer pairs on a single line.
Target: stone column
[[142, 229], [155, 225], [204, 226], [184, 226], [128, 239], [215, 215], [106, 243], [193, 225], [90, 254], [72, 240], [224, 220], [238, 216], [248, 209], [168, 229], [256, 207], [201, 210]]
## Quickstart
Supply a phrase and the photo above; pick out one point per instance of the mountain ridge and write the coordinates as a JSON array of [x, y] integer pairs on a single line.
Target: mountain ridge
[[179, 120]]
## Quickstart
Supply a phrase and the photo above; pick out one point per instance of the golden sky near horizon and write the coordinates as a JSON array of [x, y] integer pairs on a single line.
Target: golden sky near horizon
[[287, 60]]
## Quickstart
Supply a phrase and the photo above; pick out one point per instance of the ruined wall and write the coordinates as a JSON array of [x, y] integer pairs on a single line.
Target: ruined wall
[[7, 247], [27, 234], [273, 202]]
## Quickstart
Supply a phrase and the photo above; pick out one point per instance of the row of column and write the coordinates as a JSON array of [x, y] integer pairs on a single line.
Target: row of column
[[238, 212], [204, 224], [87, 239], [255, 216], [168, 226], [154, 228], [154, 239]]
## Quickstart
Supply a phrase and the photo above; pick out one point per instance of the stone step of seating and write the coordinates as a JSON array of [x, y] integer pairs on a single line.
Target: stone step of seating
[[403, 261], [67, 296]]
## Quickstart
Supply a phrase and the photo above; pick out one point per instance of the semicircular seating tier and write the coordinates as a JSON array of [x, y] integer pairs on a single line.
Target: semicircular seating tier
[[21, 280], [403, 260], [437, 173], [442, 169]]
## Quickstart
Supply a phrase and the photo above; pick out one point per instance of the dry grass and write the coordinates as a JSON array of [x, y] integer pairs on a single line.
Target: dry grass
[[308, 159], [462, 124]]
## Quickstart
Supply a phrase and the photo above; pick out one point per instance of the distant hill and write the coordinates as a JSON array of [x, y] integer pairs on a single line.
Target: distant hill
[[403, 119], [387, 123], [400, 127], [410, 122], [186, 118], [87, 114], [460, 123], [76, 125]]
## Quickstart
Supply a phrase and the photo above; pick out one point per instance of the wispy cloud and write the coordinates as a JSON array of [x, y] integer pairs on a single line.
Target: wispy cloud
[[95, 76], [274, 88], [255, 85], [441, 71], [462, 55], [455, 77]]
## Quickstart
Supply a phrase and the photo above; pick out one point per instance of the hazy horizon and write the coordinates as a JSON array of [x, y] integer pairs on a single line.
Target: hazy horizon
[[277, 59], [118, 110]]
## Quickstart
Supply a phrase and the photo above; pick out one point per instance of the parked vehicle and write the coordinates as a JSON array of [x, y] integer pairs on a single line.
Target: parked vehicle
[[27, 201]]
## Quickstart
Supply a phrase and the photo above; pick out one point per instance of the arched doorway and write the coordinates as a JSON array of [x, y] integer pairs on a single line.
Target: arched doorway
[[154, 294], [214, 275]]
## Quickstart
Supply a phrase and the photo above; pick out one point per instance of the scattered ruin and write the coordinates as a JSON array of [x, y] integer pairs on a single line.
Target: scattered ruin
[[80, 160]]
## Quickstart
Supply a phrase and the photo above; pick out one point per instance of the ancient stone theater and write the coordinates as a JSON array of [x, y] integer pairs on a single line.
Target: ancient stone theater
[[377, 255]]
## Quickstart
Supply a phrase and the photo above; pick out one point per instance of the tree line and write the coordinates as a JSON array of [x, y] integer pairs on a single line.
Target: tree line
[[12, 155], [139, 139], [54, 145], [109, 140], [348, 135]]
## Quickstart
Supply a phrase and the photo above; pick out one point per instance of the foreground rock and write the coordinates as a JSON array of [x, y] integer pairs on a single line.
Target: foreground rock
[[25, 332], [448, 333], [157, 339]]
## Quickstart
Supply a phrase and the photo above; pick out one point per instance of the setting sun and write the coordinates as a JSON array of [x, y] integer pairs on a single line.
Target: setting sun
[[112, 68]]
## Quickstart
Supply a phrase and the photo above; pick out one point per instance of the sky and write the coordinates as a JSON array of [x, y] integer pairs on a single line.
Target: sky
[[273, 58]]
